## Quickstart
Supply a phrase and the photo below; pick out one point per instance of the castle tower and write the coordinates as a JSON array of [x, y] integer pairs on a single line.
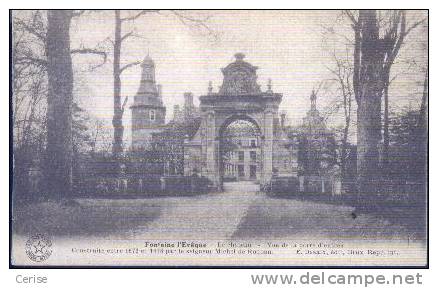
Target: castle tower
[[148, 111]]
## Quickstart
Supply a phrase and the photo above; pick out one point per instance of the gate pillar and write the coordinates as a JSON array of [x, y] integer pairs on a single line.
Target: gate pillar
[[212, 169]]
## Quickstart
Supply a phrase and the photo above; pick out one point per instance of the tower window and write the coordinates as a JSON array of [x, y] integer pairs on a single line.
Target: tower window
[[253, 155], [152, 115]]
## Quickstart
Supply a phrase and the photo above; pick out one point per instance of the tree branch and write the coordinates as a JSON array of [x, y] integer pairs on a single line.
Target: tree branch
[[127, 66], [393, 49], [109, 40], [351, 16], [413, 26], [77, 13], [91, 51], [32, 30], [191, 21], [124, 104], [127, 35], [330, 30], [30, 60], [142, 12]]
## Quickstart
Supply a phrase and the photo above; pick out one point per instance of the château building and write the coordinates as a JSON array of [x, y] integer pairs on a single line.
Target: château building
[[243, 162]]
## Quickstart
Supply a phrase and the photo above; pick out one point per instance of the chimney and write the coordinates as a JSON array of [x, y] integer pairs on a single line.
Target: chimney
[[176, 112], [188, 99]]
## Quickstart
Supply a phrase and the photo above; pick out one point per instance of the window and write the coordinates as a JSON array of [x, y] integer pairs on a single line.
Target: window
[[241, 170], [253, 155], [253, 171], [152, 115], [241, 155], [253, 143]]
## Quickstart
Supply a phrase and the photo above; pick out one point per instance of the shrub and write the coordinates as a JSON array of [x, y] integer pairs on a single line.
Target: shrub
[[284, 187]]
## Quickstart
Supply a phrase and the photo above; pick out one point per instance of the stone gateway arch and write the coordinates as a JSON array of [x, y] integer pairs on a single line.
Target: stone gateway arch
[[239, 98]]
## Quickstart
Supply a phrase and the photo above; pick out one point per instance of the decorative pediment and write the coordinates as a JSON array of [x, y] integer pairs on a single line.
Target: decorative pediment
[[240, 78]]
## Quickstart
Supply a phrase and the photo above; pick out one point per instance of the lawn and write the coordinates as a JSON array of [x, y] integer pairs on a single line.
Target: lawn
[[86, 217]]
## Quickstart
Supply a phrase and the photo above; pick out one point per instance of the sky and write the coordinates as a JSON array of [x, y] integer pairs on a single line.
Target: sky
[[287, 46]]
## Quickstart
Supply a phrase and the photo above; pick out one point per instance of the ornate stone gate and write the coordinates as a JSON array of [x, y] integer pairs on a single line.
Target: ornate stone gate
[[239, 98]]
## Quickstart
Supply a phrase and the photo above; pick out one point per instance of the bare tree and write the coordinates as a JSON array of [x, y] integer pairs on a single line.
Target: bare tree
[[372, 61], [343, 73], [118, 69], [28, 72], [395, 30], [29, 92], [45, 56]]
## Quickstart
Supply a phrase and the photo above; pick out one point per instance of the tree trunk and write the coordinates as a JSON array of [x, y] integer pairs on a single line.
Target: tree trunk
[[423, 124], [58, 168], [385, 150], [118, 114], [347, 115], [344, 149], [424, 99], [369, 109]]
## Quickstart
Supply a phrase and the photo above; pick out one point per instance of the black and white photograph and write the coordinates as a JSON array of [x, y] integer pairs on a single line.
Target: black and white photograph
[[219, 138]]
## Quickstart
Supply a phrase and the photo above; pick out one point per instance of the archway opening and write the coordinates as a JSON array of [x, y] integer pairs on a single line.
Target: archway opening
[[240, 151]]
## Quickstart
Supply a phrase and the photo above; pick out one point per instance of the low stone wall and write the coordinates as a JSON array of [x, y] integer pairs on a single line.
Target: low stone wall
[[320, 185], [151, 186], [184, 185], [302, 185]]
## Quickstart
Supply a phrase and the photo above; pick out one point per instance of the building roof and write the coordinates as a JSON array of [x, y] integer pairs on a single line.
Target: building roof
[[181, 129], [148, 94]]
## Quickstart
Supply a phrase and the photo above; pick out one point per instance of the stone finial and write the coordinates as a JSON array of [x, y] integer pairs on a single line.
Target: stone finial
[[313, 100], [160, 90], [282, 119], [269, 85], [210, 87], [239, 56]]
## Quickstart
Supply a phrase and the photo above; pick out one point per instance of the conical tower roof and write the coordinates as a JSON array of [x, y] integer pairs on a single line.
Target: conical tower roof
[[148, 93], [147, 61]]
